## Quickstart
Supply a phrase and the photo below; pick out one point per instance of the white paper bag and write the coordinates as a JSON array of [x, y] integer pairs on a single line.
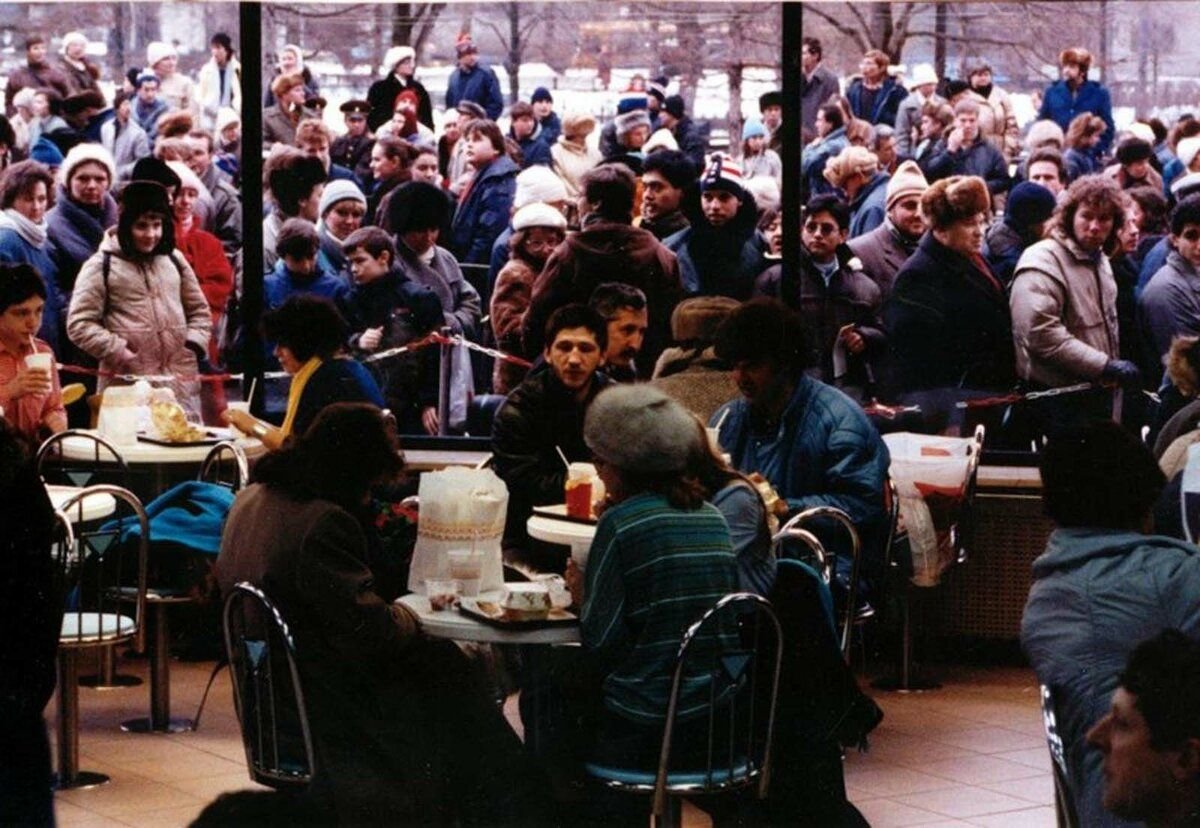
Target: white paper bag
[[461, 508]]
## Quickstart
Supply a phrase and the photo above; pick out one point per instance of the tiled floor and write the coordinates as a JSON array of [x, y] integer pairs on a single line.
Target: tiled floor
[[971, 753]]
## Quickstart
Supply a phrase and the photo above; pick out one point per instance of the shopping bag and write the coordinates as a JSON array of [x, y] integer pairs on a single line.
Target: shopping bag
[[461, 508], [930, 474]]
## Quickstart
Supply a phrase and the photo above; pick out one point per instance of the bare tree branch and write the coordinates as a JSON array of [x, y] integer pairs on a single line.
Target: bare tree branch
[[847, 30]]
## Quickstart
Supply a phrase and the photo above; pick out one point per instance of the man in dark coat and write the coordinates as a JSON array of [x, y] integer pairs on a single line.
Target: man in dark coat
[[526, 132], [817, 84], [549, 124], [667, 176], [947, 321], [1075, 94], [1029, 207], [399, 62], [885, 249], [607, 249], [686, 131], [35, 74], [875, 96], [964, 151], [472, 82], [354, 148]]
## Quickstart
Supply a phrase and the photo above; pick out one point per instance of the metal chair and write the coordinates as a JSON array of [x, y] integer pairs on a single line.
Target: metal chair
[[267, 692], [222, 454], [94, 571], [748, 652], [1064, 801], [794, 530]]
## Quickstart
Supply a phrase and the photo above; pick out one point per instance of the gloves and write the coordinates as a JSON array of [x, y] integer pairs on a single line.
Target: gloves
[[1123, 372], [203, 366]]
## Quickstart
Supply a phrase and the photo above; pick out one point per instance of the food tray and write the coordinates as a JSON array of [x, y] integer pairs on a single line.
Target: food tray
[[491, 613], [558, 511], [211, 438]]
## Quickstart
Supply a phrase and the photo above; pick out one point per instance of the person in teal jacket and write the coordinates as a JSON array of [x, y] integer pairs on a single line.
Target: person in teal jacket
[[1101, 587]]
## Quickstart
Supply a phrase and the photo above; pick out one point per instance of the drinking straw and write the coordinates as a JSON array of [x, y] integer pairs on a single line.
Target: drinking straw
[[253, 383], [566, 462], [721, 419], [32, 344]]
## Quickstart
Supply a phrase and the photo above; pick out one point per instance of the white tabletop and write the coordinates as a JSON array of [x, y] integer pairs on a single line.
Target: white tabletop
[[454, 625], [95, 506], [570, 533], [434, 459], [142, 453]]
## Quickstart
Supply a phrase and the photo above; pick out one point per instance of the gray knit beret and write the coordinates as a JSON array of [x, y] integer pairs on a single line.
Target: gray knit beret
[[639, 428]]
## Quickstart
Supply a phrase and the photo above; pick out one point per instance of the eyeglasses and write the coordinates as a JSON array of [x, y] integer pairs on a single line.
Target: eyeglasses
[[820, 228]]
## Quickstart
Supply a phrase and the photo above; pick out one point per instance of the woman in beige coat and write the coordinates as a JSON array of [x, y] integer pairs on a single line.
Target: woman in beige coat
[[137, 306], [571, 155]]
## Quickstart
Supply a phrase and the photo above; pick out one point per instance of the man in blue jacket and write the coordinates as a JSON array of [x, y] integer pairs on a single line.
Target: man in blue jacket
[[875, 96], [1075, 94], [964, 151], [472, 82], [811, 442]]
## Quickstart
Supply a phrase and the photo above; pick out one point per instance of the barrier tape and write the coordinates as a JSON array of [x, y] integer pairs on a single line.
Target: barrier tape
[[1008, 399]]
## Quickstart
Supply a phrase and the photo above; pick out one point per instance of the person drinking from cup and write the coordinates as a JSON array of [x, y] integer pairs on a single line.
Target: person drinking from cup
[[29, 392]]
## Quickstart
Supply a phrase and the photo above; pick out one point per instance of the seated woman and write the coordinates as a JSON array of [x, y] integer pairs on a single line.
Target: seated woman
[[308, 333], [403, 730], [30, 397]]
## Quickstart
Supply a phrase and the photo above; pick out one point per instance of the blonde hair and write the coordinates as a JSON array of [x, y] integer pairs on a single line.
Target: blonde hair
[[850, 161]]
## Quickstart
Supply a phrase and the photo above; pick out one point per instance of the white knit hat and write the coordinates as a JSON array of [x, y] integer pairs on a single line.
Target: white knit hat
[[189, 179], [396, 54], [339, 190], [72, 37], [225, 117], [82, 153], [660, 139], [630, 121], [158, 50], [538, 215], [1140, 130], [1186, 150], [637, 427], [922, 74], [538, 183]]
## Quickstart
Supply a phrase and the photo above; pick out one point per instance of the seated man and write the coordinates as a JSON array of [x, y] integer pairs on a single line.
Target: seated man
[[1150, 739], [811, 442], [385, 309], [1101, 586], [623, 308], [543, 415]]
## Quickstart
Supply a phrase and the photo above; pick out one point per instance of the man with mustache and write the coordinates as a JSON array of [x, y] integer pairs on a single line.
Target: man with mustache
[[623, 307]]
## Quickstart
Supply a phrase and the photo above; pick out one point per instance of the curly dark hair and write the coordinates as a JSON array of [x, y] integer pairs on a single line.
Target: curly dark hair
[[1095, 191]]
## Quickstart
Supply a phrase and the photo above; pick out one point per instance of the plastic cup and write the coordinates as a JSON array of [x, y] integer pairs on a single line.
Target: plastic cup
[[442, 593], [237, 406], [466, 567], [578, 489], [41, 361]]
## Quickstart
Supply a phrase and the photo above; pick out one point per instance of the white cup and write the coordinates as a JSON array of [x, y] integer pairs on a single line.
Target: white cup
[[40, 361], [237, 405]]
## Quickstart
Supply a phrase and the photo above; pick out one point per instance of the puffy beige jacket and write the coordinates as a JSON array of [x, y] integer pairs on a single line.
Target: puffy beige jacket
[[152, 309], [998, 122], [1064, 313], [571, 161]]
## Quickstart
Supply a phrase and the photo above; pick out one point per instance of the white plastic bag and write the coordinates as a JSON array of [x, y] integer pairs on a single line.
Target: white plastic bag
[[930, 473], [461, 508]]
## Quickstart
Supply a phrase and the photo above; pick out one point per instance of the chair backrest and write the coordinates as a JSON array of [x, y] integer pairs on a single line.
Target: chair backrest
[[226, 455], [103, 570], [267, 692], [80, 458], [738, 645], [1064, 800], [823, 513]]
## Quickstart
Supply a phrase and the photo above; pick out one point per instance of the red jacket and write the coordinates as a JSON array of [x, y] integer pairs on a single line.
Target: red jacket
[[205, 254]]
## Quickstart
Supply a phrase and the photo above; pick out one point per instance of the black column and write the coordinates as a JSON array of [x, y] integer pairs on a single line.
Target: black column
[[790, 64], [250, 35]]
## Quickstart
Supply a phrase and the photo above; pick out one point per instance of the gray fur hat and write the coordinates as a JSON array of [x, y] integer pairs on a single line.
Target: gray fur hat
[[639, 428]]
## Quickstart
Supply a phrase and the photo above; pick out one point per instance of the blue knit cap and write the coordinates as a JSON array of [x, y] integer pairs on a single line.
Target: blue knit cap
[[753, 128], [1028, 204], [46, 152], [541, 94]]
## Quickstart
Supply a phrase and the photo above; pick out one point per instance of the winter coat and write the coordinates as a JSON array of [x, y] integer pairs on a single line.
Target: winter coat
[[980, 158], [550, 129], [601, 252], [1079, 163], [814, 92], [42, 76], [128, 145], [665, 226], [1152, 262], [908, 122], [147, 116], [461, 307], [312, 87], [1002, 248], [73, 235], [814, 157], [998, 121], [278, 128], [1061, 105], [766, 164], [224, 220], [1170, 304], [729, 271], [869, 207], [698, 380], [178, 90], [478, 84], [1117, 173], [850, 298], [281, 284], [208, 90], [539, 417], [1096, 594], [691, 141], [947, 323], [533, 151], [883, 252], [1064, 313], [382, 98], [484, 211], [151, 307], [16, 250], [82, 78], [510, 301], [570, 161], [204, 253], [887, 101], [330, 256]]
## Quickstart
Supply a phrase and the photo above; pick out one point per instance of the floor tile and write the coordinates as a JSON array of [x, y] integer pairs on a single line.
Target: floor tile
[[890, 782], [1028, 818], [962, 801], [979, 770], [1036, 789], [887, 813]]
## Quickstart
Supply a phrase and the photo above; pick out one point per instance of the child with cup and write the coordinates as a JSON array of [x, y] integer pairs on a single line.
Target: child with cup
[[29, 391]]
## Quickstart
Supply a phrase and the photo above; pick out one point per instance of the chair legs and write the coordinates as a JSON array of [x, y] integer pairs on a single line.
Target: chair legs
[[106, 676], [160, 720], [221, 664], [904, 681], [69, 775]]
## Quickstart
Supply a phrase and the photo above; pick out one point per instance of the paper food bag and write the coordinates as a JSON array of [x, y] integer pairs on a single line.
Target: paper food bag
[[461, 508]]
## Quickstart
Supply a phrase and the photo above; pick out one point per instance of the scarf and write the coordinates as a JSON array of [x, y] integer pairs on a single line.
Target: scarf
[[906, 243], [297, 391], [33, 234]]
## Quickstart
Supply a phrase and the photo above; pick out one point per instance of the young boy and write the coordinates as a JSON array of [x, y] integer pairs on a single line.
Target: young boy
[[297, 269], [385, 309]]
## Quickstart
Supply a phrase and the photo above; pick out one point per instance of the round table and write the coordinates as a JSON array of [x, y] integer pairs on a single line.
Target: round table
[[578, 536], [454, 625], [94, 506]]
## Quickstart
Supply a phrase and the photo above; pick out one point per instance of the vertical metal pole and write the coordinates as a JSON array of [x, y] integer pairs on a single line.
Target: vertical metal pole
[[160, 677], [250, 41], [790, 61], [68, 716], [445, 364]]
